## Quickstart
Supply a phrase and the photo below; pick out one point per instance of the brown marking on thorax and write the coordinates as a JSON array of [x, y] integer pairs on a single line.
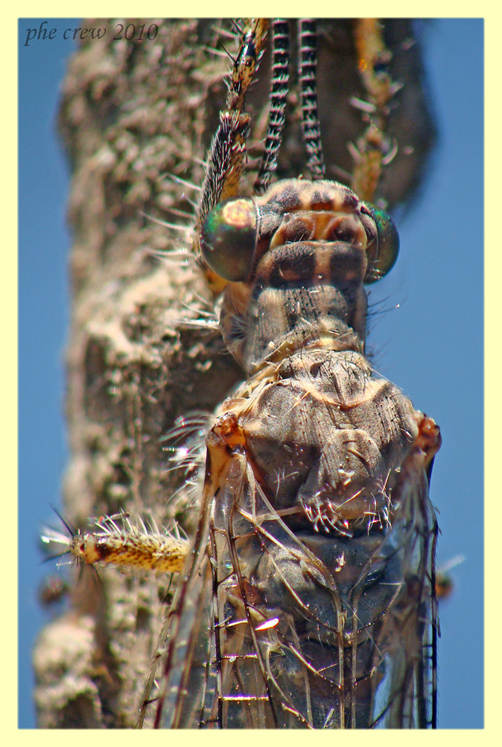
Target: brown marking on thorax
[[308, 269]]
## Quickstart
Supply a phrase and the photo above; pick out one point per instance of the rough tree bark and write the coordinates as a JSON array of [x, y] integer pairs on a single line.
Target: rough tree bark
[[132, 114]]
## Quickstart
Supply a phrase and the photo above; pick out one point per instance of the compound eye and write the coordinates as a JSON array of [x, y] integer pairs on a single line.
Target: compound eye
[[228, 239], [383, 252]]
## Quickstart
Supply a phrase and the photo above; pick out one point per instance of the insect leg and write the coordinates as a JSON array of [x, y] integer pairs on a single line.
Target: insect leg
[[228, 147], [374, 150]]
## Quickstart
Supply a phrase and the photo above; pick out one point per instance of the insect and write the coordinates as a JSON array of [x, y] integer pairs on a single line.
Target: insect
[[312, 565]]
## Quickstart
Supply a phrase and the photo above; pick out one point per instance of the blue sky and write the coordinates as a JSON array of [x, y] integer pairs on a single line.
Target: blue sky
[[431, 345]]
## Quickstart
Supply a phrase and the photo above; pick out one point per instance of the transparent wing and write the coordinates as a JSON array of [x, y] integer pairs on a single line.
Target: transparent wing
[[289, 627]]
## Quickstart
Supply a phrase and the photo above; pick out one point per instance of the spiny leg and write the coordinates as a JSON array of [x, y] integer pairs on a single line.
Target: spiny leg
[[228, 147], [374, 149]]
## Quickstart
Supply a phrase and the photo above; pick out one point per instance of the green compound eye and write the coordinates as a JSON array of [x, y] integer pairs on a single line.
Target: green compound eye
[[382, 254], [228, 239]]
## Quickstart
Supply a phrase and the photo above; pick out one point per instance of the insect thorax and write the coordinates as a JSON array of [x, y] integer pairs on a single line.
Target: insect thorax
[[297, 259], [294, 315]]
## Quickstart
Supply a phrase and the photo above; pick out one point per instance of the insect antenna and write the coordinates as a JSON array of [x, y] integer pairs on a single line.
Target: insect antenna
[[278, 96], [307, 43]]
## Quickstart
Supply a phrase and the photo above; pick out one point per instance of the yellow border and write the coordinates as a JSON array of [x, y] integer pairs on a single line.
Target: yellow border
[[8, 296]]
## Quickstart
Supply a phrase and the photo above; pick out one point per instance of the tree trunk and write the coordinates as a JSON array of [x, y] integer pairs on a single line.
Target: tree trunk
[[132, 114]]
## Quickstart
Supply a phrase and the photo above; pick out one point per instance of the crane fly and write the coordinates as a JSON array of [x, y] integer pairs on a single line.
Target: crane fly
[[307, 596]]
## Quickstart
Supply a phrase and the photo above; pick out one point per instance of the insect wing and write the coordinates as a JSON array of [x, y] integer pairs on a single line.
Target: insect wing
[[322, 631], [407, 697], [184, 683], [306, 629], [183, 643]]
